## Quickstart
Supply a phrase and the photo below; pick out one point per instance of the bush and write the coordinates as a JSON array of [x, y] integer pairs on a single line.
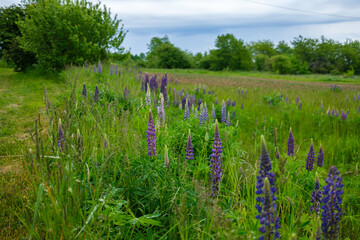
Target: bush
[[281, 64], [63, 32]]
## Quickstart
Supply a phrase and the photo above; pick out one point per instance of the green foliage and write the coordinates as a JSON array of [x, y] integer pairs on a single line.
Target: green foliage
[[10, 49], [281, 64], [60, 33], [163, 54]]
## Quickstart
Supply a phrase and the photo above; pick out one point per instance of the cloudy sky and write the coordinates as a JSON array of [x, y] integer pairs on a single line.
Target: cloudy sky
[[194, 24]]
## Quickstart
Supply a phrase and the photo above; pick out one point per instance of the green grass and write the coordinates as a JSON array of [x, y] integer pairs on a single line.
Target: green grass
[[118, 192]]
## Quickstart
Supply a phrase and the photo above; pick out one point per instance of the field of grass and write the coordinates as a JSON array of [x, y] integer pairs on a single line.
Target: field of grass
[[98, 182]]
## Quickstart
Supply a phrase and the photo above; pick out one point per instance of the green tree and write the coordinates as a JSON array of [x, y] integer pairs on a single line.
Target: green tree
[[62, 32], [281, 64], [263, 47], [9, 33], [283, 48]]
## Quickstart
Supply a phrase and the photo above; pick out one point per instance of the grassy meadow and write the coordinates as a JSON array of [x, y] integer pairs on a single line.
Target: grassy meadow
[[98, 182]]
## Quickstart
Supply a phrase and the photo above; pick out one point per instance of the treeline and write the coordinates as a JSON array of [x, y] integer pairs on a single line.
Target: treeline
[[300, 56], [52, 34]]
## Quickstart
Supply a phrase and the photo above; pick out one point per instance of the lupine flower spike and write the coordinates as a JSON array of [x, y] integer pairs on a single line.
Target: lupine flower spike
[[189, 149], [268, 215], [213, 115], [223, 112], [320, 158], [228, 121], [151, 137], [61, 138], [186, 112], [265, 172], [166, 158], [331, 207], [316, 197], [99, 68], [310, 158], [84, 92], [148, 96], [215, 166], [96, 94], [161, 110], [290, 148]]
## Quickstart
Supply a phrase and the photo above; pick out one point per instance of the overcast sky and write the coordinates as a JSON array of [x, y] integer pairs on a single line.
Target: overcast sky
[[194, 24]]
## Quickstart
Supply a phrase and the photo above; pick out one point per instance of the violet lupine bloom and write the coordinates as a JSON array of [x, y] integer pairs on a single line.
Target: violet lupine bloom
[[216, 101], [111, 69], [331, 206], [316, 197], [206, 113], [96, 94], [61, 137], [146, 81], [233, 103], [291, 144], [202, 115], [94, 69], [163, 86], [148, 96], [223, 112], [270, 225], [84, 91], [215, 166], [189, 153], [343, 115], [116, 69], [161, 110], [310, 158], [228, 102], [186, 112], [199, 103], [151, 137], [233, 114], [300, 105], [99, 68], [333, 112], [297, 100], [126, 93], [320, 158], [337, 113], [328, 111]]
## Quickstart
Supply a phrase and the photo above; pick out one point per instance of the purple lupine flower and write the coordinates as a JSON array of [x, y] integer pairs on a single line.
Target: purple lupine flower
[[337, 113], [266, 195], [223, 112], [116, 69], [206, 112], [199, 103], [328, 111], [233, 103], [316, 197], [187, 111], [297, 100], [96, 94], [84, 91], [99, 68], [333, 112], [94, 69], [320, 158], [239, 91], [300, 105], [215, 166], [343, 115], [216, 102], [347, 98], [233, 115], [151, 137], [146, 81], [310, 158], [202, 115], [228, 102], [331, 204], [322, 106], [163, 87], [189, 153], [286, 99], [148, 96], [153, 84], [111, 69], [161, 110], [61, 137], [209, 92], [126, 93], [242, 105], [291, 145], [183, 102]]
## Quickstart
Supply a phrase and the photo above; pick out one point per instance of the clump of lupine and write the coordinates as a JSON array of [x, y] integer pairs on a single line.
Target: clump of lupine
[[343, 115], [189, 153], [61, 137], [161, 110], [111, 69], [300, 105], [186, 112], [310, 158], [166, 157], [223, 112], [163, 86], [202, 116], [99, 68], [290, 144], [215, 159], [151, 137], [228, 121], [116, 69], [320, 157], [316, 197], [96, 94], [331, 214], [126, 93], [84, 91], [271, 223]]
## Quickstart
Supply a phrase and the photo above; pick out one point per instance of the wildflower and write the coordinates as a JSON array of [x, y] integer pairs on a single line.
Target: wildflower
[[161, 110], [233, 103], [151, 137], [223, 112], [148, 96], [320, 158], [213, 115], [216, 102], [126, 92], [96, 94], [84, 91], [268, 215], [310, 158], [233, 114], [215, 166], [186, 112], [199, 103], [99, 68], [61, 138], [111, 69], [316, 196], [189, 153], [228, 102], [343, 115], [206, 113], [328, 111], [331, 207], [265, 198], [290, 148], [202, 115], [228, 121], [116, 69], [297, 100], [300, 105], [242, 105]]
